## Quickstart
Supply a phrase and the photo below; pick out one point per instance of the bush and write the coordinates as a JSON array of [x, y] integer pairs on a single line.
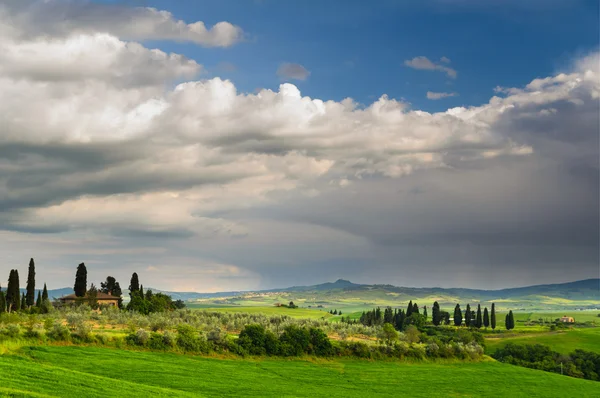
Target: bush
[[59, 332], [12, 330], [252, 339], [319, 343], [188, 339], [294, 341]]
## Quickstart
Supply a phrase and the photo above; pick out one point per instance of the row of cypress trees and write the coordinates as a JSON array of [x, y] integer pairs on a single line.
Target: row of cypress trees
[[13, 300], [471, 318]]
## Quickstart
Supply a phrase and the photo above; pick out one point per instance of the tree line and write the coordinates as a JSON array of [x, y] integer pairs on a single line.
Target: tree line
[[141, 301], [13, 300], [400, 318]]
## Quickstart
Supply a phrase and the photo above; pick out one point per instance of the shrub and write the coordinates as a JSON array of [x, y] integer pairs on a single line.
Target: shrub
[[102, 338], [188, 339], [58, 332], [12, 330], [294, 341], [319, 343], [252, 339]]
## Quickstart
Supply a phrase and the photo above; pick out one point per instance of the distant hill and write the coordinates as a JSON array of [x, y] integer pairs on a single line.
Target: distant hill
[[578, 294]]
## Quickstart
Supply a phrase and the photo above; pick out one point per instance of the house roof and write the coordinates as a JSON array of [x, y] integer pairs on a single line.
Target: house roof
[[101, 296]]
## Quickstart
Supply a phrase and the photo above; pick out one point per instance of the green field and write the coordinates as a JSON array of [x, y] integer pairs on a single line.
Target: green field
[[103, 372], [267, 310], [564, 342]]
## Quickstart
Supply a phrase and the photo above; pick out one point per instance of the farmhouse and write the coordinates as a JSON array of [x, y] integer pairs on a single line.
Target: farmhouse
[[102, 298], [567, 319]]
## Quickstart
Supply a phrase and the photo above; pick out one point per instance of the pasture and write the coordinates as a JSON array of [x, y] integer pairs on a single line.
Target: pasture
[[70, 371]]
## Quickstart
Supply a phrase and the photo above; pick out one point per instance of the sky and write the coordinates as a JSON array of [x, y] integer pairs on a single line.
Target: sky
[[242, 145]]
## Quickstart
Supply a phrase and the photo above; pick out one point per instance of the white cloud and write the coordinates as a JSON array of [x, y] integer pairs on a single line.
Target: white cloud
[[423, 63], [292, 71], [94, 142], [436, 96], [59, 18]]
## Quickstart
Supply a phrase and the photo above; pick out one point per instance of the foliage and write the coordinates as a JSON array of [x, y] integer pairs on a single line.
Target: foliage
[[30, 296], [580, 363], [112, 287], [80, 286]]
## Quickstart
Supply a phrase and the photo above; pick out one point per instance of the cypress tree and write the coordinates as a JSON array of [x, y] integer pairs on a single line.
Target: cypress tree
[[478, 320], [493, 317], [44, 293], [425, 312], [511, 319], [409, 309], [2, 302], [486, 318], [415, 308], [143, 296], [457, 315], [38, 302], [80, 280], [30, 298], [13, 298], [436, 316], [468, 316], [506, 322], [134, 284], [23, 301]]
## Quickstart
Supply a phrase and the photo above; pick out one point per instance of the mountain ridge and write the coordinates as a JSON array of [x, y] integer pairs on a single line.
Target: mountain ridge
[[565, 289]]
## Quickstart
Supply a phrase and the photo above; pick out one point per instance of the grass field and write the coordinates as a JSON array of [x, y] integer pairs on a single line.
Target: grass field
[[103, 372], [267, 310], [562, 341]]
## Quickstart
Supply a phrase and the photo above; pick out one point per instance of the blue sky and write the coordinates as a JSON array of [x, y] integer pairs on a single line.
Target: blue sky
[[357, 49]]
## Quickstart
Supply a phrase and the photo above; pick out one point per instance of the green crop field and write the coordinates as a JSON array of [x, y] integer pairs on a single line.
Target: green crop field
[[267, 310], [69, 371], [562, 341]]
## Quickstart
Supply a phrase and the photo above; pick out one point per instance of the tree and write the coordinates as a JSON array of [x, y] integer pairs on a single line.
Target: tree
[[30, 297], [92, 296], [112, 287], [2, 302], [425, 312], [511, 319], [486, 318], [409, 309], [141, 292], [493, 316], [44, 293], [389, 334], [506, 322], [478, 320], [468, 316], [457, 315], [13, 298], [436, 316], [38, 302], [415, 309], [80, 280], [23, 301], [134, 285]]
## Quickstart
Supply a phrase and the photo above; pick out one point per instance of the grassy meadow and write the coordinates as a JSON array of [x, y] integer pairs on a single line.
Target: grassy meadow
[[69, 371]]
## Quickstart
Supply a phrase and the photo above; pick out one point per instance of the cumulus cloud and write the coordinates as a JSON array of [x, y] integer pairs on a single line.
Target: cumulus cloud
[[423, 63], [436, 96], [96, 145], [62, 18], [292, 71]]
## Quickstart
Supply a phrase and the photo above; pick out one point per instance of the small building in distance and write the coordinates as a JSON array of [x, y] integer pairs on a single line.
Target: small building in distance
[[103, 299], [567, 319]]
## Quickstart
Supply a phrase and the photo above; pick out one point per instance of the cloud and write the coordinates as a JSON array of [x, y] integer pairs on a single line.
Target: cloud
[[445, 60], [423, 63], [61, 18], [292, 71], [101, 153], [436, 96]]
